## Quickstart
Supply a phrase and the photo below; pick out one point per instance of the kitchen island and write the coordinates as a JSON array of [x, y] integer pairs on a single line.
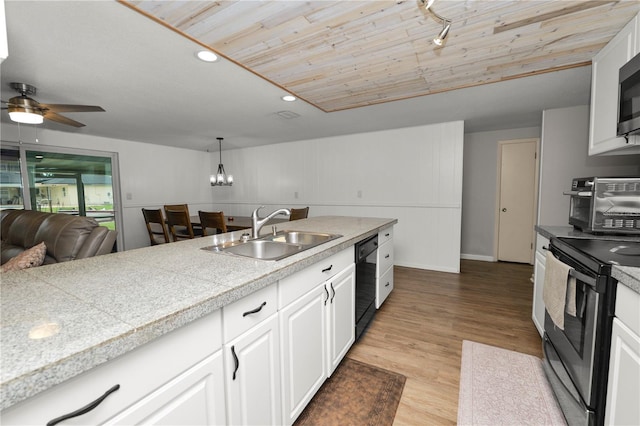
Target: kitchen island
[[101, 308]]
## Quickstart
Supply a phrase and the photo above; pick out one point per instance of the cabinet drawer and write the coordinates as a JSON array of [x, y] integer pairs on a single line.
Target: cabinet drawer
[[385, 258], [385, 235], [138, 373], [542, 244], [384, 287], [243, 314], [294, 286]]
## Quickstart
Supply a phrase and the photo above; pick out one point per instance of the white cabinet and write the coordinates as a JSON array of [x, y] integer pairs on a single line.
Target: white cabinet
[[384, 266], [341, 329], [252, 359], [317, 327], [303, 326], [604, 90], [194, 397], [623, 391], [542, 245], [178, 376]]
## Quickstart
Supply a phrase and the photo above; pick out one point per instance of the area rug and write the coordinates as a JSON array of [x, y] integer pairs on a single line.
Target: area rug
[[356, 394], [502, 387]]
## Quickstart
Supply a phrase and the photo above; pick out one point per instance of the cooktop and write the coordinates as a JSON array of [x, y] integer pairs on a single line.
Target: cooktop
[[622, 253]]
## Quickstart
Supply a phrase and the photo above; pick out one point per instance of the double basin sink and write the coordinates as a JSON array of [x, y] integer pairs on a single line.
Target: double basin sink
[[275, 246]]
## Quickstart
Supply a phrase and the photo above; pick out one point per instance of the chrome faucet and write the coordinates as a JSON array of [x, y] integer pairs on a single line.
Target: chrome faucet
[[257, 223]]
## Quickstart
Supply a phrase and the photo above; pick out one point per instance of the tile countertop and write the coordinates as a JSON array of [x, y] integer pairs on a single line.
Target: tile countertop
[[626, 275], [105, 306]]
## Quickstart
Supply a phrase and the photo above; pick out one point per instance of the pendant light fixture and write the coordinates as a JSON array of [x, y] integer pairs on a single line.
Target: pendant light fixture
[[221, 178]]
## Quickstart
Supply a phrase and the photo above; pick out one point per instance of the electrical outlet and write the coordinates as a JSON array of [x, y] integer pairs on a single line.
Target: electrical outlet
[[129, 196], [295, 194], [359, 193]]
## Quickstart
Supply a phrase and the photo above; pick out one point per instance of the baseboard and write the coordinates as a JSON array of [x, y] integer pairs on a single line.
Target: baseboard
[[466, 256], [427, 267]]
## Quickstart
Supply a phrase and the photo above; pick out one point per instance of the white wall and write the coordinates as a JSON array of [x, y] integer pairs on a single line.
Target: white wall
[[152, 175], [479, 189], [565, 136], [412, 174]]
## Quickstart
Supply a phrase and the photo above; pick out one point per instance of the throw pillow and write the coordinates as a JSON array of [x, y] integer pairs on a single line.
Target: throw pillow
[[27, 259]]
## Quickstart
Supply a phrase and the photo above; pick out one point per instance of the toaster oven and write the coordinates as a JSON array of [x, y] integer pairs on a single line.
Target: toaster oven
[[605, 205]]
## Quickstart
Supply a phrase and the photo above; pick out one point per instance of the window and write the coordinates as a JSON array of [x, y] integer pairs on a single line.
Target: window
[[61, 180]]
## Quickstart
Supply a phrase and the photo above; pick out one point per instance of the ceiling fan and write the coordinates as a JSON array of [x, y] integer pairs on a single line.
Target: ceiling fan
[[24, 109]]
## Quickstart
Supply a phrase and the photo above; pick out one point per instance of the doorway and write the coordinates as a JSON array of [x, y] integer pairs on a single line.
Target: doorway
[[516, 200]]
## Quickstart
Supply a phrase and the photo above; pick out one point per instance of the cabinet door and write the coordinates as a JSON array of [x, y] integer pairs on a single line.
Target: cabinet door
[[623, 391], [304, 352], [342, 315], [604, 90], [252, 364], [538, 282], [194, 397], [384, 286]]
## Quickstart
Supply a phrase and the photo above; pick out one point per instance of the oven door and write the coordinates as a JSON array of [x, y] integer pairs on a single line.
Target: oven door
[[575, 344]]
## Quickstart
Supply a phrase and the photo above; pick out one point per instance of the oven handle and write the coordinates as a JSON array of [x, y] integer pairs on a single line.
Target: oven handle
[[590, 281], [587, 279]]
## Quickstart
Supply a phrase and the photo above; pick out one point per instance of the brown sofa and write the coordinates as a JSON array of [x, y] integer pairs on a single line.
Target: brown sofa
[[67, 237]]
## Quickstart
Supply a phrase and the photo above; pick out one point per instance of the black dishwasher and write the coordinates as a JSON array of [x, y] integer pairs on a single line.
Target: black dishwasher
[[366, 260]]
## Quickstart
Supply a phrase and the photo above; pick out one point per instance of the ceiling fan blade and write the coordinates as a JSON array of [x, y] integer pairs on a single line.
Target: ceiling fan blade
[[49, 115], [71, 108]]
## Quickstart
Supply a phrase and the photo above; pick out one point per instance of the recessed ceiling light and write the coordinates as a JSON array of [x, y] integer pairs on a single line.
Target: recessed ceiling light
[[288, 98], [207, 56]]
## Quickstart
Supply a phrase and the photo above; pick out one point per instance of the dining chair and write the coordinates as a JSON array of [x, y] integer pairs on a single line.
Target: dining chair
[[299, 213], [197, 230], [179, 224], [156, 226], [212, 220]]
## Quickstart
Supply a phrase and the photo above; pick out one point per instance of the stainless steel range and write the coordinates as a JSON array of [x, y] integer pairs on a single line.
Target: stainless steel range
[[577, 356]]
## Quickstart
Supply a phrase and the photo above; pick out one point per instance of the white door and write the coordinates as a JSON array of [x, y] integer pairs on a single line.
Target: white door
[[304, 352], [252, 364], [342, 315], [517, 200]]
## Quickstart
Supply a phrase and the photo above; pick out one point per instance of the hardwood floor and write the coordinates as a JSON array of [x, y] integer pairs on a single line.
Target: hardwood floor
[[418, 331]]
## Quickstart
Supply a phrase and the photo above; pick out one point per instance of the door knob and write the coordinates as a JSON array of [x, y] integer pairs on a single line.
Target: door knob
[[504, 209]]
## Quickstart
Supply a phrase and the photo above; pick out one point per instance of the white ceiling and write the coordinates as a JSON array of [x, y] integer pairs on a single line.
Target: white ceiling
[[154, 90]]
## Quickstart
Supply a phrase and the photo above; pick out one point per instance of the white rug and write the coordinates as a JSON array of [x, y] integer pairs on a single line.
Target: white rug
[[502, 387]]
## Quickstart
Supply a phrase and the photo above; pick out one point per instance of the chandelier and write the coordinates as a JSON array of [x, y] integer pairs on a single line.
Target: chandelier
[[221, 178]]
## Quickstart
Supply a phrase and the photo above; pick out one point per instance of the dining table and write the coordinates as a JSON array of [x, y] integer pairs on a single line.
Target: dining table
[[236, 223]]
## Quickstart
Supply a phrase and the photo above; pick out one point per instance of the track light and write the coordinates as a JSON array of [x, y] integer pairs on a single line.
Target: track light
[[446, 23], [427, 3]]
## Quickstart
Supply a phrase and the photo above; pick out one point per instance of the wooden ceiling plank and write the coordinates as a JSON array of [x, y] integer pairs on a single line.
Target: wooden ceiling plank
[[579, 7]]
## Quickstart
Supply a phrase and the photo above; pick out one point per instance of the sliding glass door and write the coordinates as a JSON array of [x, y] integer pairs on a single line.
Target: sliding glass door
[[61, 180]]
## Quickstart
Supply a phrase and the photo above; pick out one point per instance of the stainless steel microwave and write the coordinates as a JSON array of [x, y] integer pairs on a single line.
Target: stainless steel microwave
[[605, 205], [629, 98]]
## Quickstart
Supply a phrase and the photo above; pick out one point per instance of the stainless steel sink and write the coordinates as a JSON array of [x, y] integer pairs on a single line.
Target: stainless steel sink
[[301, 237], [274, 247], [266, 250]]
